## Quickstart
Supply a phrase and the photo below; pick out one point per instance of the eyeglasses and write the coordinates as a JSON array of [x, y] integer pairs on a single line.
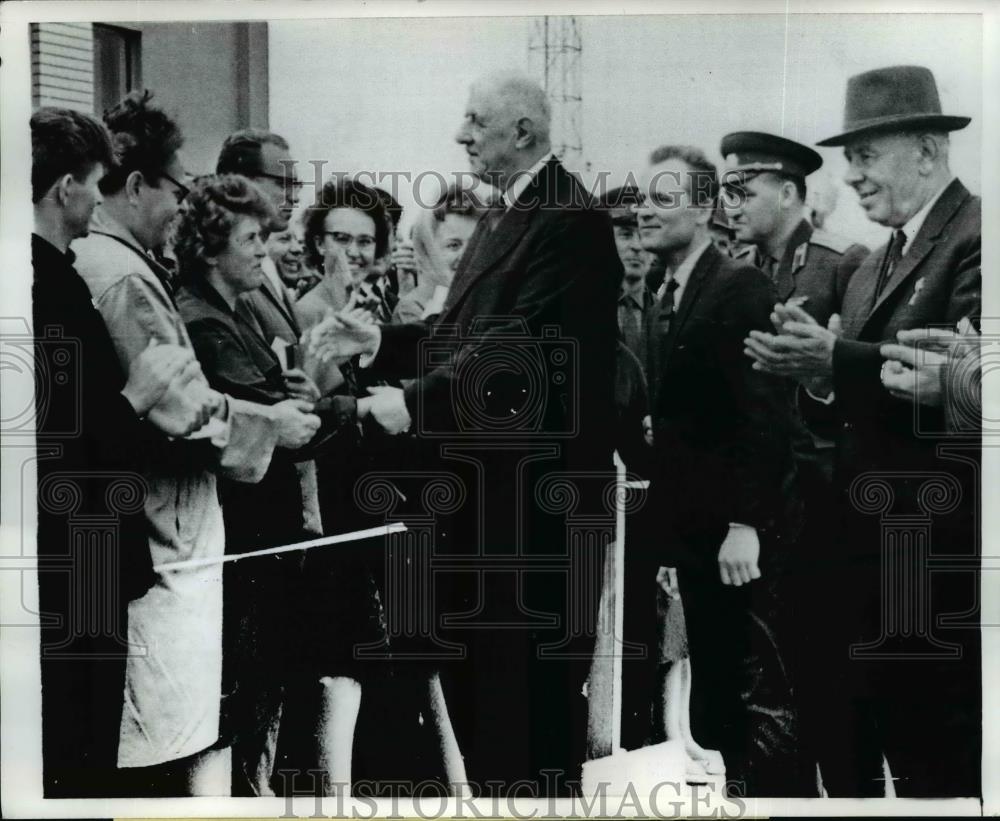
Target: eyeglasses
[[363, 242], [180, 190]]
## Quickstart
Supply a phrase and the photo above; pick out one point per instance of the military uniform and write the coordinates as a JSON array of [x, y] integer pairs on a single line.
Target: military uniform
[[814, 269], [816, 265]]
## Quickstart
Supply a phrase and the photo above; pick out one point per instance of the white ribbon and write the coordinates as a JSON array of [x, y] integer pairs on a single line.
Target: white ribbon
[[340, 538]]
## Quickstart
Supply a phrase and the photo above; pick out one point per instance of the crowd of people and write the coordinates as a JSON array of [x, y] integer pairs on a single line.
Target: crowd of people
[[243, 371]]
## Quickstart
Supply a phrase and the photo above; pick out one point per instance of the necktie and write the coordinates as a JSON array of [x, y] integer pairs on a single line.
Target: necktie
[[667, 306], [893, 254], [495, 214], [630, 323]]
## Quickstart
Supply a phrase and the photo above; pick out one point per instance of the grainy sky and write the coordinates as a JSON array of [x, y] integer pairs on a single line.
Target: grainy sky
[[388, 94]]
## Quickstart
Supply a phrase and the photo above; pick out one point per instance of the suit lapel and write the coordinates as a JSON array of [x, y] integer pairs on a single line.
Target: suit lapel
[[707, 263], [488, 248], [282, 308], [925, 240], [858, 299]]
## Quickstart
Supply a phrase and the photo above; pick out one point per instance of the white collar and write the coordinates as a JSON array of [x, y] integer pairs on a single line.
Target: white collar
[[102, 221], [276, 286], [683, 272], [916, 222], [522, 179]]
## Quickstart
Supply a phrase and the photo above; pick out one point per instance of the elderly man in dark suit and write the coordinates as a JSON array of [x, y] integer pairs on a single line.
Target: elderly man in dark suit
[[907, 680], [514, 389], [724, 478]]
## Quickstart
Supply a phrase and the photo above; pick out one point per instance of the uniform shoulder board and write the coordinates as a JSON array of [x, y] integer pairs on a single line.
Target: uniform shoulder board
[[835, 242], [800, 256]]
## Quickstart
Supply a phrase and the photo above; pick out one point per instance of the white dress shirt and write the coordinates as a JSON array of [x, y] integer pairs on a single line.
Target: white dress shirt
[[522, 179], [683, 273], [916, 222]]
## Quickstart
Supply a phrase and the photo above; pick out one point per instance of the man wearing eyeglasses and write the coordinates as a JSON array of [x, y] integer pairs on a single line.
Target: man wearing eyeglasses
[[263, 157], [174, 692]]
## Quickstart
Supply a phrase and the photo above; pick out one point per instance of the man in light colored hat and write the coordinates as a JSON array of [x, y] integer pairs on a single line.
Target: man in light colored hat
[[913, 696]]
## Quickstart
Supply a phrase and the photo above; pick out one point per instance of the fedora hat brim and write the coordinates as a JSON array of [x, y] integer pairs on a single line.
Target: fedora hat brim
[[902, 122]]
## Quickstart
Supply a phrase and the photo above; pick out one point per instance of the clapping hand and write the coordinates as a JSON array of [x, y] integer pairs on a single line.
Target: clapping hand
[[801, 348], [405, 260], [912, 370]]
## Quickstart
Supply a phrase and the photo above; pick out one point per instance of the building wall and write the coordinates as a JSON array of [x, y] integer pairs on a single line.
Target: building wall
[[212, 77], [62, 65]]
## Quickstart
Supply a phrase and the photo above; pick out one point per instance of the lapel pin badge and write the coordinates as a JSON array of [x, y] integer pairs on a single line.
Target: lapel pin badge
[[918, 286]]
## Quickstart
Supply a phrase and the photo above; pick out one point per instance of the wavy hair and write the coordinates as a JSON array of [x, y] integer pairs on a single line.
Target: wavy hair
[[344, 192], [208, 216], [145, 140]]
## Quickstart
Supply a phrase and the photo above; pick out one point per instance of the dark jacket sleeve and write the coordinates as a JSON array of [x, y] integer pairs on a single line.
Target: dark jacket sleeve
[[857, 365], [758, 452], [564, 253]]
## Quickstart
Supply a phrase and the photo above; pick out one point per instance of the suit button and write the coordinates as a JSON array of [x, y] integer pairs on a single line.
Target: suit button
[[848, 426]]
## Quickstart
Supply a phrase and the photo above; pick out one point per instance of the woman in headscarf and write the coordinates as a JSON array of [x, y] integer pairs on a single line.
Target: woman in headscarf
[[439, 239]]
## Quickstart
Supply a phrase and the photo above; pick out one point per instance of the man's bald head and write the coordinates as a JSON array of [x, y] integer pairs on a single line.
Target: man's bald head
[[506, 126]]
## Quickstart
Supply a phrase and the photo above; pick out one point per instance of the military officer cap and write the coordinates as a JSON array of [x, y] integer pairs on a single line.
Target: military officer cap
[[748, 153], [620, 204]]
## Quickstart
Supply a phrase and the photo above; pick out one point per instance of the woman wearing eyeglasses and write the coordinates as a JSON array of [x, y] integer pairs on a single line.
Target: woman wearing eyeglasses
[[346, 232]]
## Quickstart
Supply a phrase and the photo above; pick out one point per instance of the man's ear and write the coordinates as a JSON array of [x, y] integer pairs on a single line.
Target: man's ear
[[62, 187], [928, 153], [787, 194], [133, 185], [525, 133]]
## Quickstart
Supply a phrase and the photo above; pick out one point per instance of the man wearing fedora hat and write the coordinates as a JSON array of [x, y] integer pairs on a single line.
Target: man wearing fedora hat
[[904, 667]]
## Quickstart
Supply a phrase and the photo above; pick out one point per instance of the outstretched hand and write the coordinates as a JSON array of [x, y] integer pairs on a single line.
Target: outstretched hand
[[800, 348], [343, 335]]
